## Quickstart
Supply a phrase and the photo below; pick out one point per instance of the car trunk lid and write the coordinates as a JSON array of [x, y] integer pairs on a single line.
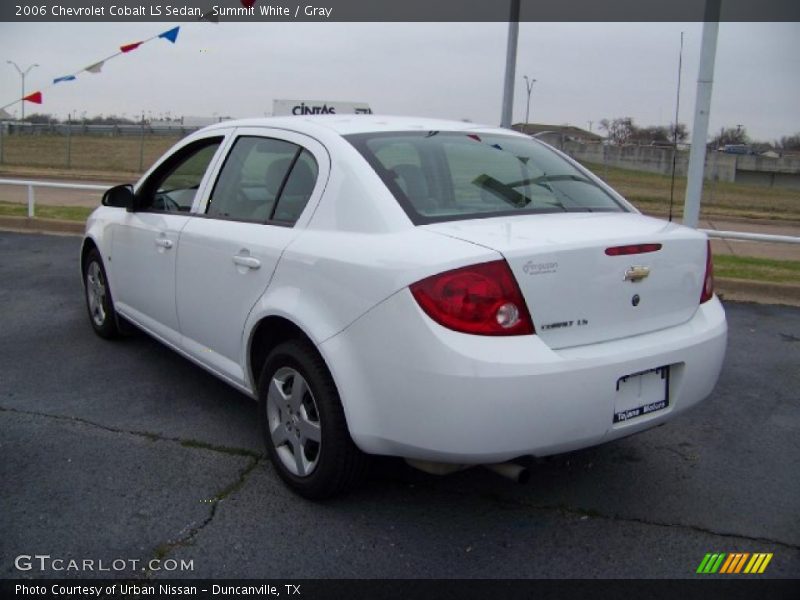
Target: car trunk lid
[[576, 292]]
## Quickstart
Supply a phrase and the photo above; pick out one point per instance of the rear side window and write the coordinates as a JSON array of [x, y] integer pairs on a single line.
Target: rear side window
[[263, 180], [442, 176], [297, 190]]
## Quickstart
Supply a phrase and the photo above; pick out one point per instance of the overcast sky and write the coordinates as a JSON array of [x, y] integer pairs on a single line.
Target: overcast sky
[[584, 72]]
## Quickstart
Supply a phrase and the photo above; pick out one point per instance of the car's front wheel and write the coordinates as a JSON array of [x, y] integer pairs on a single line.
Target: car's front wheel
[[303, 423], [98, 297]]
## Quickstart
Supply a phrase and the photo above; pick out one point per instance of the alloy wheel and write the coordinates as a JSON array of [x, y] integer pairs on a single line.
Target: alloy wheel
[[293, 420], [96, 293]]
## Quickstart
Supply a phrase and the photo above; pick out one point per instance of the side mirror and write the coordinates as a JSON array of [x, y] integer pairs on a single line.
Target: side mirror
[[120, 196]]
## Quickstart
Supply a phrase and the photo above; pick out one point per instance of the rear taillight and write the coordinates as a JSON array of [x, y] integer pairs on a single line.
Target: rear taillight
[[481, 299], [708, 280]]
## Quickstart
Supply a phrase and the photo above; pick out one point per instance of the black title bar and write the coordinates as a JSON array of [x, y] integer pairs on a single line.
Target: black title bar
[[393, 10], [732, 588]]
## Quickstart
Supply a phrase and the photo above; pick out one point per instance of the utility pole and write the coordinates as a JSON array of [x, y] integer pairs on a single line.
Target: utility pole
[[675, 129], [141, 147], [22, 75], [69, 140], [511, 65], [705, 82]]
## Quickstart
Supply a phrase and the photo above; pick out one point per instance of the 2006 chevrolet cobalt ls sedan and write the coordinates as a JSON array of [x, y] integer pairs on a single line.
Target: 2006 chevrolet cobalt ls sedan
[[450, 294]]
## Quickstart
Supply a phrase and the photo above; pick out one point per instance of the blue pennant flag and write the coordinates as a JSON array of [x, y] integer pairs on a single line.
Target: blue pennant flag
[[64, 78], [170, 35]]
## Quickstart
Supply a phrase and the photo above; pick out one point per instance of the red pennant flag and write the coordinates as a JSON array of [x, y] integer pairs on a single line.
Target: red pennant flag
[[35, 97], [129, 47]]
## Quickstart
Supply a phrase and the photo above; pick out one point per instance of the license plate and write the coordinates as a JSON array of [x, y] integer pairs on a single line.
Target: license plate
[[642, 393]]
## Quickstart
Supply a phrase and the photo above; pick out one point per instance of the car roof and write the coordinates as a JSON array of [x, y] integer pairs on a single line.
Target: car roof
[[353, 124]]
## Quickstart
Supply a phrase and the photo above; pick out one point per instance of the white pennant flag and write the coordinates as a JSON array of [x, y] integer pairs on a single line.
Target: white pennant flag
[[96, 67]]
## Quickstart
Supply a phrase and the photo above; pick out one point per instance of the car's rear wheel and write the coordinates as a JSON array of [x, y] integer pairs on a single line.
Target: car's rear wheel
[[303, 423], [98, 297]]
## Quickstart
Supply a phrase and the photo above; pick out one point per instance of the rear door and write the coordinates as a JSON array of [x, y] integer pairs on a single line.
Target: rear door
[[229, 250]]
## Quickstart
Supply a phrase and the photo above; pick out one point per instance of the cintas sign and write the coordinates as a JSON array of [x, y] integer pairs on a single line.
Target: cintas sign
[[319, 107]]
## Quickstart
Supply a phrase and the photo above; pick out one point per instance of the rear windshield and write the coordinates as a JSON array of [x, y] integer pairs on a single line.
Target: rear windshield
[[444, 176]]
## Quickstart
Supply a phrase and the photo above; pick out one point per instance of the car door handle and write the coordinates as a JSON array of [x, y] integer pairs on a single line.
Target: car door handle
[[164, 243], [247, 261]]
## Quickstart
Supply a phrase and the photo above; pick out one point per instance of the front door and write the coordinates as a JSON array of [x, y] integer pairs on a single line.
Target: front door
[[145, 243]]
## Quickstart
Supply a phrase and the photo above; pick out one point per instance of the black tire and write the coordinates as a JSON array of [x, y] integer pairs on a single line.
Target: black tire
[[97, 293], [335, 464]]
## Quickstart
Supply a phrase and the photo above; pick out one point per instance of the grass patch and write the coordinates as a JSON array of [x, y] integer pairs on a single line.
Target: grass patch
[[45, 211], [650, 193], [757, 269], [92, 152]]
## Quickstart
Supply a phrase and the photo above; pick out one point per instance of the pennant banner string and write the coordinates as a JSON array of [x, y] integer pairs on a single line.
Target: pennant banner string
[[171, 35]]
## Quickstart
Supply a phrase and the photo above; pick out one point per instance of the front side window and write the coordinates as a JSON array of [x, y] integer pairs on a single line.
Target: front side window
[[263, 180], [173, 186], [442, 176]]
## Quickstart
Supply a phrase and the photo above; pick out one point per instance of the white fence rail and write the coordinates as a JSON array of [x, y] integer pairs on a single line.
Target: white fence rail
[[751, 237], [31, 184]]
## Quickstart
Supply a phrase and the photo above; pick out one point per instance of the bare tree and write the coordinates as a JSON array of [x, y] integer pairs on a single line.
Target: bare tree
[[40, 118], [622, 130], [730, 136], [680, 131], [790, 143], [619, 130]]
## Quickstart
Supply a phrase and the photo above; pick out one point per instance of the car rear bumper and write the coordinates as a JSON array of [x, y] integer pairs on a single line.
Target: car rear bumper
[[414, 389]]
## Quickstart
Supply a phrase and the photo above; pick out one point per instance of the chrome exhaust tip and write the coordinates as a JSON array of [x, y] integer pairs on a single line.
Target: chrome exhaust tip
[[512, 471]]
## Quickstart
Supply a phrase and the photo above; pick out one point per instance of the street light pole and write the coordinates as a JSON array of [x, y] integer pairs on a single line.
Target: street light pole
[[529, 86], [511, 65], [22, 75]]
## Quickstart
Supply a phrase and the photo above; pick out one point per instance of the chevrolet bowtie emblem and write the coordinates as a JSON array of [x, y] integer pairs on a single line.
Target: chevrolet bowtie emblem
[[636, 273]]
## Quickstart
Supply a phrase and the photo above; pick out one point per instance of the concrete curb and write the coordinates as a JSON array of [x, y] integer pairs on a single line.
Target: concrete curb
[[744, 290], [37, 225]]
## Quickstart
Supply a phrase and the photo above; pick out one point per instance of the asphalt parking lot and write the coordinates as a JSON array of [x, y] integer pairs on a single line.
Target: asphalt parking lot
[[124, 450]]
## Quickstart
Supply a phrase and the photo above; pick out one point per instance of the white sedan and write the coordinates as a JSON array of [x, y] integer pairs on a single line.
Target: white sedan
[[451, 294]]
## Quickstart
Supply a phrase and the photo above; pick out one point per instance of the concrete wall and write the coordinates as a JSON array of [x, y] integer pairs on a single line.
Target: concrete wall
[[769, 172], [755, 170]]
